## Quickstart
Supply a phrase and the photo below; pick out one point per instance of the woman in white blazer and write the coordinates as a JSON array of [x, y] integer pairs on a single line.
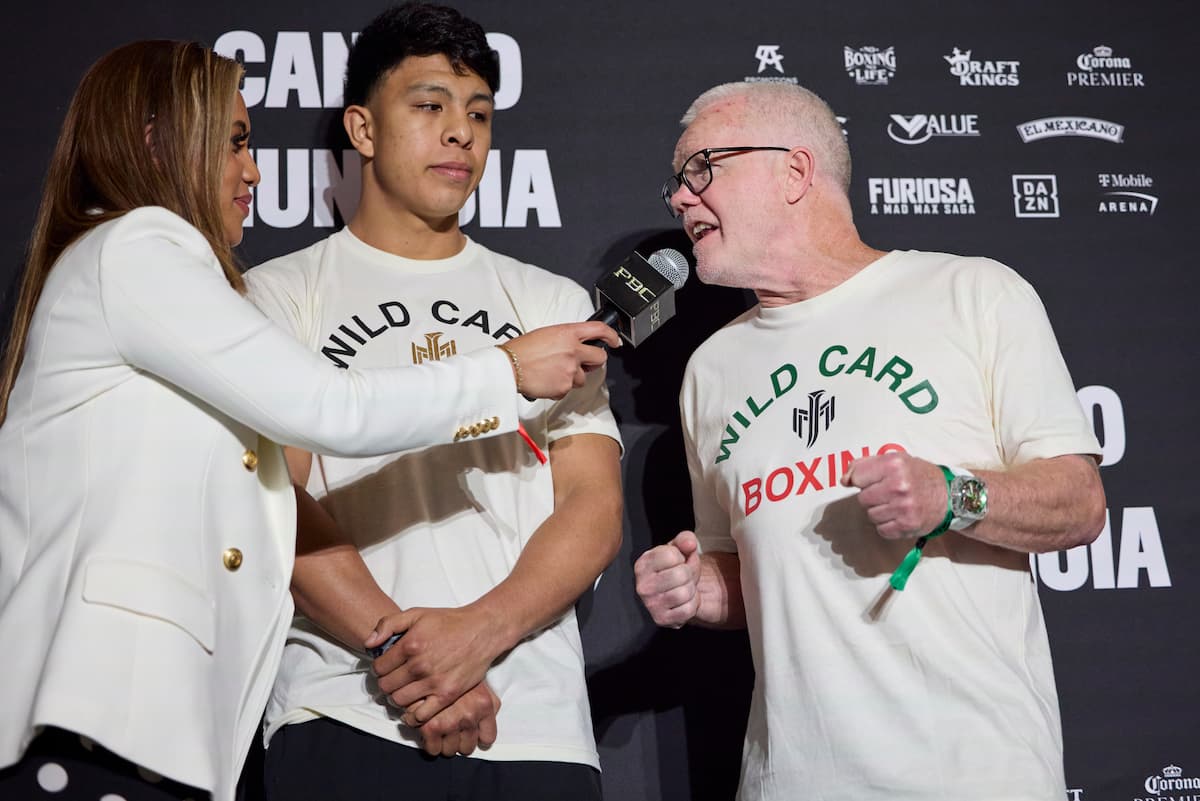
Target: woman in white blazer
[[146, 514]]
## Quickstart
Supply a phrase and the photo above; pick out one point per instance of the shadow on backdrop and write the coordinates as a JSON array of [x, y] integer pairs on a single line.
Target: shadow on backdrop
[[705, 674]]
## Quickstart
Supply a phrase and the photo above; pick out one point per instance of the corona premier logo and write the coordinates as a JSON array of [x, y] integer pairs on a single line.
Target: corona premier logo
[[1171, 778], [1101, 68]]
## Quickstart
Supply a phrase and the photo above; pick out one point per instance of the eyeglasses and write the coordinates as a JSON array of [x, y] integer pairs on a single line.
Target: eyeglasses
[[697, 174]]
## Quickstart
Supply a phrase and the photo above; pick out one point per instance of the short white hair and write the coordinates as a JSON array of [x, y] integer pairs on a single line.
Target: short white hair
[[786, 109]]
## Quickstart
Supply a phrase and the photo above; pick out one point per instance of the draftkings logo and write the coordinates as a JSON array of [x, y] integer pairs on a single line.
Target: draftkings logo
[[1101, 68], [808, 423], [434, 350], [1121, 196], [869, 65], [769, 58], [1035, 195], [1048, 127], [1167, 782], [972, 72], [921, 196], [920, 128]]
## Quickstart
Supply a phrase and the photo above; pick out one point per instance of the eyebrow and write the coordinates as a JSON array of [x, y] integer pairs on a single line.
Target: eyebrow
[[241, 126], [438, 88]]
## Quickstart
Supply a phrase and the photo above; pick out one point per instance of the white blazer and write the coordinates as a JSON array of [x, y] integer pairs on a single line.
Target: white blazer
[[147, 530]]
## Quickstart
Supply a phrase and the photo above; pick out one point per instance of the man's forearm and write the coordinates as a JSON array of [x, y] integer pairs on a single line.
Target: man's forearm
[[1045, 505], [331, 584], [570, 549]]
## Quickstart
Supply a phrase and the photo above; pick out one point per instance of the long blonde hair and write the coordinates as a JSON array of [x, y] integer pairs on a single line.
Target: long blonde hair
[[149, 125]]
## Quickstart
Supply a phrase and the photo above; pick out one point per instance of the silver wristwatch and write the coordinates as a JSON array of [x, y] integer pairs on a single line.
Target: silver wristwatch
[[968, 499]]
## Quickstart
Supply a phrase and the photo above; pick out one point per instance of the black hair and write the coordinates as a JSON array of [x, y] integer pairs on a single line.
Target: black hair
[[417, 29]]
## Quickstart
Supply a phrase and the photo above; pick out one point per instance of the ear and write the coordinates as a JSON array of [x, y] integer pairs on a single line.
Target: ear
[[149, 135], [800, 166], [360, 127]]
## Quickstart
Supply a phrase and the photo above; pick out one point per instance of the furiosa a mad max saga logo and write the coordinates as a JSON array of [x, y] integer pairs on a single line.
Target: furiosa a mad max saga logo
[[926, 196]]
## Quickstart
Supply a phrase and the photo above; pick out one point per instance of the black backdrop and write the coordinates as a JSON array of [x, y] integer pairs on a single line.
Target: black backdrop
[[590, 100]]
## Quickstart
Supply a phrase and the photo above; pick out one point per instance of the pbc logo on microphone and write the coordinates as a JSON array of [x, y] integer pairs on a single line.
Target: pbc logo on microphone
[[642, 296], [634, 284]]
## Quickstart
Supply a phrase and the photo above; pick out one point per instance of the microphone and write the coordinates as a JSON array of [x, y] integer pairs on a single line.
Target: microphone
[[639, 295]]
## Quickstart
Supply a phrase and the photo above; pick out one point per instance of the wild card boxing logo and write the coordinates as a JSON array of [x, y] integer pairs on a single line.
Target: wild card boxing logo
[[433, 351], [810, 422]]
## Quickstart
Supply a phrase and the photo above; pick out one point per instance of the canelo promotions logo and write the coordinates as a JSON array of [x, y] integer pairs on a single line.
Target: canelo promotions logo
[[769, 56]]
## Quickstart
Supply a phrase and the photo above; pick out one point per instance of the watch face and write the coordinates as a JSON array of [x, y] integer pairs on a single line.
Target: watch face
[[971, 497]]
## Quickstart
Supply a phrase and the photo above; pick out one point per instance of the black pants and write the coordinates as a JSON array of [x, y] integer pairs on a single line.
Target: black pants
[[63, 766], [323, 760]]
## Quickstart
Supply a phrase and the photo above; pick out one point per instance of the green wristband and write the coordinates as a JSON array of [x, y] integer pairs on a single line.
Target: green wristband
[[900, 576]]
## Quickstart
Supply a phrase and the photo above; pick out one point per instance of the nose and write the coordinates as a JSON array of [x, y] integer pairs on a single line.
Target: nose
[[458, 130], [682, 198], [250, 173]]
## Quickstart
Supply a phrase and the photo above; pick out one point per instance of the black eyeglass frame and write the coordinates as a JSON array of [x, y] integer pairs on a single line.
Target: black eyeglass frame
[[672, 184]]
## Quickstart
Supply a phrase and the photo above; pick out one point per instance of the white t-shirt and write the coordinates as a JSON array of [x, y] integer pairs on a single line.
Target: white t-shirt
[[437, 527], [943, 691]]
